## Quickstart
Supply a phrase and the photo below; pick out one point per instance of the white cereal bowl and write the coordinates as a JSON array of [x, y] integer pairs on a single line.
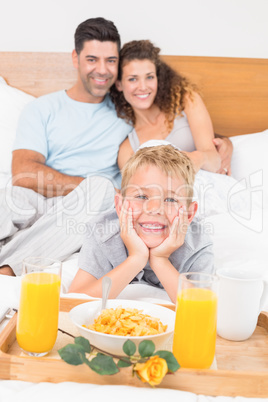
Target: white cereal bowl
[[84, 314]]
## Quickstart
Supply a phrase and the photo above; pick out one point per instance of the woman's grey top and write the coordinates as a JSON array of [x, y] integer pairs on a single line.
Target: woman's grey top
[[180, 136]]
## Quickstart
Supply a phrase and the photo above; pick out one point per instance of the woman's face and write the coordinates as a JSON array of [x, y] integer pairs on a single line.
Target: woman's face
[[138, 83]]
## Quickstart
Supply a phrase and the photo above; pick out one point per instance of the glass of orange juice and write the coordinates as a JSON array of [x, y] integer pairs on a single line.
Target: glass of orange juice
[[38, 314], [194, 339]]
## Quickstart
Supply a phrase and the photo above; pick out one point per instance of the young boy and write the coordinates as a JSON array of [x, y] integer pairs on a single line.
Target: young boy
[[152, 239]]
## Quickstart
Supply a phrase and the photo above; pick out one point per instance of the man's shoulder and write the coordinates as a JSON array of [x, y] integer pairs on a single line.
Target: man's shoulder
[[51, 97], [45, 101], [111, 107], [109, 101]]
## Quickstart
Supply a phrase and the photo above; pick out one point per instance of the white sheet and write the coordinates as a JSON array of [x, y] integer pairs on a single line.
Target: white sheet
[[234, 244], [239, 230], [18, 391]]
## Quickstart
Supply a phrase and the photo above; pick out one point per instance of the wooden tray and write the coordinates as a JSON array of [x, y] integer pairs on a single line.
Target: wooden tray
[[242, 367]]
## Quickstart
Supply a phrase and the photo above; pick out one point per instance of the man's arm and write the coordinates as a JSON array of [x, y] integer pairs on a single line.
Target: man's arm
[[29, 170]]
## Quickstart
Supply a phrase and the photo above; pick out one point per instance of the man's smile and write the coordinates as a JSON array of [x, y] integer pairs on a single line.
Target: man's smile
[[100, 81]]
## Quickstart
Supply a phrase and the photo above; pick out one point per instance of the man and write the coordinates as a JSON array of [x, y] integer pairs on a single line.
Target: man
[[63, 140]]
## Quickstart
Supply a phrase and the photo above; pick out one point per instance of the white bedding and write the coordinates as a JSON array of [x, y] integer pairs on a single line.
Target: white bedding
[[235, 213], [18, 391], [234, 244]]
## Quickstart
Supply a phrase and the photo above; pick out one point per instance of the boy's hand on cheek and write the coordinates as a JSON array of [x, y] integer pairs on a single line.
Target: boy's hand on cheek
[[136, 247], [175, 239]]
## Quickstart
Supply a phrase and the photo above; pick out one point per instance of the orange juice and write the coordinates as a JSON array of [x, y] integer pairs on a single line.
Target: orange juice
[[195, 328], [37, 324]]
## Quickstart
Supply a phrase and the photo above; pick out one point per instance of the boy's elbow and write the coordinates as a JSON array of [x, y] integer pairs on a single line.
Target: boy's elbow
[[73, 289]]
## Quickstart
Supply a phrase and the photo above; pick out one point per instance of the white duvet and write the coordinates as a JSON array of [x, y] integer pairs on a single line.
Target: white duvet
[[17, 391], [235, 213]]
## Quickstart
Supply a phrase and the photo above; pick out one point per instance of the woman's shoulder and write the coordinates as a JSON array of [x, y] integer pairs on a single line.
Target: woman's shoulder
[[125, 144], [125, 152], [191, 98]]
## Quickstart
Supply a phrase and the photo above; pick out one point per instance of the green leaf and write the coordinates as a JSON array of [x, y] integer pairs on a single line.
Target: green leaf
[[146, 348], [103, 365], [123, 363], [129, 348], [172, 363], [80, 340], [72, 354]]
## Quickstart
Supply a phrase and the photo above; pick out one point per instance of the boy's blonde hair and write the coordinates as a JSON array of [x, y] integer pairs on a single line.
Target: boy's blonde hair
[[165, 157]]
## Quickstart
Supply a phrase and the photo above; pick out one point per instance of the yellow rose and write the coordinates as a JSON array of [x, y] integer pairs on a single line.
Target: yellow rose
[[152, 371]]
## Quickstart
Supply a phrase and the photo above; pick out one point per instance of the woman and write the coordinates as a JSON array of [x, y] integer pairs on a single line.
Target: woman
[[161, 104]]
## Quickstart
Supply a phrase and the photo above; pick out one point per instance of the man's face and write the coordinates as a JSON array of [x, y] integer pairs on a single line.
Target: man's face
[[97, 66]]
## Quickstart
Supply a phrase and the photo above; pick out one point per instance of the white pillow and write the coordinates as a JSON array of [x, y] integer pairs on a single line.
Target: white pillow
[[250, 154], [250, 163], [12, 101]]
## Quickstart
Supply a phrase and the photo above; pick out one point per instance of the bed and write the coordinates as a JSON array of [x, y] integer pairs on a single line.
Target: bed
[[235, 212]]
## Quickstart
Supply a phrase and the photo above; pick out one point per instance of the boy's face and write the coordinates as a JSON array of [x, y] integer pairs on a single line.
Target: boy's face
[[155, 200]]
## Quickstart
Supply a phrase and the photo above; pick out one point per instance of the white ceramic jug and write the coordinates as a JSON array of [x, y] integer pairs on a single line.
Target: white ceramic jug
[[242, 295]]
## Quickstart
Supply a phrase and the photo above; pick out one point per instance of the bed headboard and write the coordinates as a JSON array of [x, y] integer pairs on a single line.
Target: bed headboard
[[235, 90]]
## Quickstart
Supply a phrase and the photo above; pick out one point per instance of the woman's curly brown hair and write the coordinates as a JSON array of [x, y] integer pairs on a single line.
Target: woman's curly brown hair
[[172, 87]]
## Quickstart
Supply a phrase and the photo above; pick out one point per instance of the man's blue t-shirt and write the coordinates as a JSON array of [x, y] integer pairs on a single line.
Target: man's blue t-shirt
[[76, 138]]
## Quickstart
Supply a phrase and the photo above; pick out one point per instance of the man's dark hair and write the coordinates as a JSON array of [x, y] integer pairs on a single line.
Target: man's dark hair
[[96, 29]]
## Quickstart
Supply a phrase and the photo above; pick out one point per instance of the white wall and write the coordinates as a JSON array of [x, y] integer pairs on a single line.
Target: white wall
[[231, 28]]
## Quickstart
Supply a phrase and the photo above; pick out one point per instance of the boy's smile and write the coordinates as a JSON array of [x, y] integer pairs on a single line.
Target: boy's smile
[[151, 226], [155, 200]]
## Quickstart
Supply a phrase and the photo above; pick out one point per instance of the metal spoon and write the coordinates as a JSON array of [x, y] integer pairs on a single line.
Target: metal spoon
[[106, 286]]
